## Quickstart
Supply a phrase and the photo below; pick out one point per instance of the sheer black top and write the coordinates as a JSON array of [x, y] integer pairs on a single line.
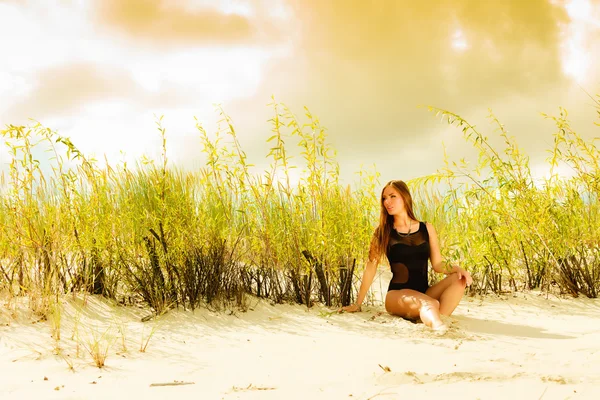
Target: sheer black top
[[408, 255]]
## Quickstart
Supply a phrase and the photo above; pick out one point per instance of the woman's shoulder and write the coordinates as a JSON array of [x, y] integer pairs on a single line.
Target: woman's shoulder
[[429, 226]]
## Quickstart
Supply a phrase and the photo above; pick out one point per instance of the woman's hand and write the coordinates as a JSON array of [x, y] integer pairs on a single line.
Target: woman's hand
[[464, 274], [351, 308]]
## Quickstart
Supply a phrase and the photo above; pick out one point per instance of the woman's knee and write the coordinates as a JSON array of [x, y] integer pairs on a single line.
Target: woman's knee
[[462, 282], [430, 304]]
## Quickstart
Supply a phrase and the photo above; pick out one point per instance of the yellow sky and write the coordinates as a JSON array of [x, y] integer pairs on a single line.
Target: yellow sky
[[99, 71]]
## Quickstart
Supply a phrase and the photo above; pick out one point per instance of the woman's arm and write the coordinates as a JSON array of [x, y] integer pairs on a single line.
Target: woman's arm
[[437, 263], [435, 255], [367, 280], [368, 276], [365, 284]]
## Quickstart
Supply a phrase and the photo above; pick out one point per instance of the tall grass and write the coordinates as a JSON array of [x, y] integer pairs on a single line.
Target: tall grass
[[211, 237], [513, 231], [173, 238]]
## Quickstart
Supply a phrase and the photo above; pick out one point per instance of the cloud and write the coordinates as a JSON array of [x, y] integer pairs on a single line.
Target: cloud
[[69, 90], [62, 90], [364, 67], [399, 49], [171, 22]]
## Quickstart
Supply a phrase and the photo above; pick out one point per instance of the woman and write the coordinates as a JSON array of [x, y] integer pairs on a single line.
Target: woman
[[408, 245]]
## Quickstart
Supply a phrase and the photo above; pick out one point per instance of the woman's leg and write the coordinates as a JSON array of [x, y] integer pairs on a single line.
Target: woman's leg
[[411, 304], [448, 291]]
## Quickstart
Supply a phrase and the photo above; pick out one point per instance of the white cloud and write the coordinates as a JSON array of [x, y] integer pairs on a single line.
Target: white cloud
[[178, 83], [459, 41], [209, 73], [579, 53]]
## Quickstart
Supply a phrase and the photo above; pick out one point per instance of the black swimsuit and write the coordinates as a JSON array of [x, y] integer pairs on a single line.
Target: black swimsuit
[[408, 255]]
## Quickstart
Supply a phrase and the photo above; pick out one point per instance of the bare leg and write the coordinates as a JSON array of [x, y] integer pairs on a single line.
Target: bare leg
[[411, 304], [448, 291]]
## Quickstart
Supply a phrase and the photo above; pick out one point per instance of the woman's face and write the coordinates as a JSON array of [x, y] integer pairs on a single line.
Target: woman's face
[[392, 201]]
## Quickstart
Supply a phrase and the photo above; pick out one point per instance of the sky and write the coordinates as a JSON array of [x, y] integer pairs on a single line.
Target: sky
[[102, 71]]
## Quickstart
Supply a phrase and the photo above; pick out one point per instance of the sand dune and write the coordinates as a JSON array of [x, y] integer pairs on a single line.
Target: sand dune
[[521, 346]]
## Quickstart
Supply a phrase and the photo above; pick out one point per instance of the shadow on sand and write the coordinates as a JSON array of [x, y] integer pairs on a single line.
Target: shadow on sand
[[491, 327]]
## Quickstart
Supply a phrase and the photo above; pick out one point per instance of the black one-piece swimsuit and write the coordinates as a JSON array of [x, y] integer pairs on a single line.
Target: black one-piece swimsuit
[[408, 255]]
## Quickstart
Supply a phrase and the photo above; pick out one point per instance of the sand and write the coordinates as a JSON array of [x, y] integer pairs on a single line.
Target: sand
[[521, 346]]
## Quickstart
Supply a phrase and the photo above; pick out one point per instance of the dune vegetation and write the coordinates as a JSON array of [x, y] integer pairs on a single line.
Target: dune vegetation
[[512, 230], [168, 237]]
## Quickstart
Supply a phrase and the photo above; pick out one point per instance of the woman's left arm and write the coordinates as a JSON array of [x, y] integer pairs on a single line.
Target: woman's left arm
[[440, 265]]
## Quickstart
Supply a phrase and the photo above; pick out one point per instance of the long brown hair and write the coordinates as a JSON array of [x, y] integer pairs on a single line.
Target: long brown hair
[[381, 237]]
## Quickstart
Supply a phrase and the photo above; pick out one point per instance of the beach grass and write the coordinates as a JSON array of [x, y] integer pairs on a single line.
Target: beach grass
[[212, 237]]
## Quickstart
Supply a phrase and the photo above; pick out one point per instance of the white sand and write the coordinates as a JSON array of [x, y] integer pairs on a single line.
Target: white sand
[[513, 347]]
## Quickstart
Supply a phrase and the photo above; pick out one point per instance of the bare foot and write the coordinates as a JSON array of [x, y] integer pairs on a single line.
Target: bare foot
[[440, 328]]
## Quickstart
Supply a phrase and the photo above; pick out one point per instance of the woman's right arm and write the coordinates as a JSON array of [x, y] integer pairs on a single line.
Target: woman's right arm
[[367, 280]]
